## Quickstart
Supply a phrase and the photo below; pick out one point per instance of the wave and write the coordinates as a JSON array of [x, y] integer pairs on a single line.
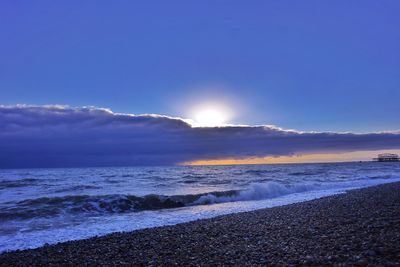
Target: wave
[[306, 173], [18, 183], [380, 176], [256, 192], [261, 172], [99, 204], [74, 204], [77, 188], [189, 181], [194, 176]]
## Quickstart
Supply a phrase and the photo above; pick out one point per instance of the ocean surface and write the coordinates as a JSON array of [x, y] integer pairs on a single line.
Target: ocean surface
[[39, 206]]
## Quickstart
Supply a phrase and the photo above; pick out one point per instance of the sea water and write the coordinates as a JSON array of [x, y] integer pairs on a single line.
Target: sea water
[[39, 206]]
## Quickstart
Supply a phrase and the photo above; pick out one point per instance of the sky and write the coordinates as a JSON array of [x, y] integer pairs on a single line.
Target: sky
[[305, 65], [315, 67]]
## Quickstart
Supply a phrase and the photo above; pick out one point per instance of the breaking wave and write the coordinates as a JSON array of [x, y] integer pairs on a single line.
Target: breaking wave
[[73, 204], [255, 192]]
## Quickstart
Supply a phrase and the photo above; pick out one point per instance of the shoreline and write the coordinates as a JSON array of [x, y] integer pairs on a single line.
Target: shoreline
[[361, 227]]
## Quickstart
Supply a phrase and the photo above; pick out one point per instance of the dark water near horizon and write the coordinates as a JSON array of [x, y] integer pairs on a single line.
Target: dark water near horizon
[[39, 206]]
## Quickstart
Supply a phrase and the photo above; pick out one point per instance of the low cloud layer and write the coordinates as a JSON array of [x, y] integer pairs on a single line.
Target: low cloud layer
[[58, 136]]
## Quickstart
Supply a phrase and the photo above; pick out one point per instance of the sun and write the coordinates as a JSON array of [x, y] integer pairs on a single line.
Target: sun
[[211, 116]]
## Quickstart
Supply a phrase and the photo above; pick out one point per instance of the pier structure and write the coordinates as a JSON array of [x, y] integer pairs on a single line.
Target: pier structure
[[387, 157]]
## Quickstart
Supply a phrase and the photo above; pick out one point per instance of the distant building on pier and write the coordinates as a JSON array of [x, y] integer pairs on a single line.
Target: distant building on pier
[[387, 157]]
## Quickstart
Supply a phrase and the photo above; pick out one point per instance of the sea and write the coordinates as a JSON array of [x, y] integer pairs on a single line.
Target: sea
[[47, 206]]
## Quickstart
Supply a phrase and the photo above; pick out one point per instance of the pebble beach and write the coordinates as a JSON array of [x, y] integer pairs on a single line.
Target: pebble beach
[[358, 228]]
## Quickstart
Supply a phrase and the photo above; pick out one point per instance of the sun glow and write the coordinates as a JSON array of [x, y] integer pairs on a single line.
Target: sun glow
[[211, 116]]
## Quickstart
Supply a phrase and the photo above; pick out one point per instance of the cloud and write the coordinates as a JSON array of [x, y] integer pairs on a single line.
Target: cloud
[[61, 136]]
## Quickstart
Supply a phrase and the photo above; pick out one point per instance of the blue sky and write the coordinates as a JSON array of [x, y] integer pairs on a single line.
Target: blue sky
[[307, 65]]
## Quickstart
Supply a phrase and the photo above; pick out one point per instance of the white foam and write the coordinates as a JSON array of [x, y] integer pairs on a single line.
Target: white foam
[[257, 191]]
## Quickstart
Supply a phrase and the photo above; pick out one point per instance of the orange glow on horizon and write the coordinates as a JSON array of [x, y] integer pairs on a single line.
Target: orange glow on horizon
[[305, 158]]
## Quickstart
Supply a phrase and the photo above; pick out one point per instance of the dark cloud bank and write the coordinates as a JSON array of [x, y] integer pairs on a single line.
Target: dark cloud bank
[[52, 136]]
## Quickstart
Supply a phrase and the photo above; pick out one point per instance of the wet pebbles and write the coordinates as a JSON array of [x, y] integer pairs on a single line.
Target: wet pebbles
[[360, 228]]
